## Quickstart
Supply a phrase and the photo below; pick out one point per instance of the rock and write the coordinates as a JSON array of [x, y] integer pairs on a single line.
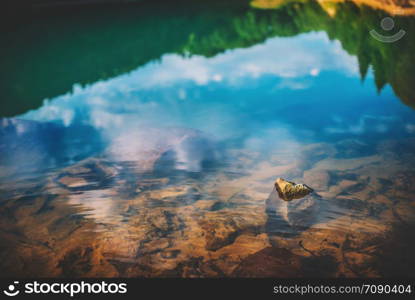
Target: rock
[[298, 214], [288, 190]]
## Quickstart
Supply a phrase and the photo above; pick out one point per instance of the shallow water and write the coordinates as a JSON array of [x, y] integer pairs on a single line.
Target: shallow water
[[156, 155]]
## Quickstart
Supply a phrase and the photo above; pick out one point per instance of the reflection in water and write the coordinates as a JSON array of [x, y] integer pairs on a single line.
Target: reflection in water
[[29, 146], [168, 169], [185, 28]]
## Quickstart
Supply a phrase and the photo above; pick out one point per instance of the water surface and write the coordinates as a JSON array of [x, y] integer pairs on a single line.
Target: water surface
[[145, 140]]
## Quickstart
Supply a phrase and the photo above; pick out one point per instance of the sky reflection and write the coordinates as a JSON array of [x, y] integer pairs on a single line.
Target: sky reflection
[[288, 89], [107, 104]]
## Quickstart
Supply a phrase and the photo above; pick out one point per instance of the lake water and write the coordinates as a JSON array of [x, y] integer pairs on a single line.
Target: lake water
[[145, 140]]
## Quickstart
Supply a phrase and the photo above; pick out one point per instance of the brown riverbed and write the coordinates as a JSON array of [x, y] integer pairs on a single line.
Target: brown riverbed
[[71, 224]]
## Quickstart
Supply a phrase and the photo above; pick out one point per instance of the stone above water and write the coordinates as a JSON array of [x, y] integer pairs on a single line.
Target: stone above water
[[288, 190]]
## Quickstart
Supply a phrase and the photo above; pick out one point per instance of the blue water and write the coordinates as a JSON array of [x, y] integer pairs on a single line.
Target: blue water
[[185, 130], [303, 89]]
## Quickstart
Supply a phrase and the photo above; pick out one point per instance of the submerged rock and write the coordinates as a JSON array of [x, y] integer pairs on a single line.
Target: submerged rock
[[288, 190], [287, 217], [301, 213], [282, 211]]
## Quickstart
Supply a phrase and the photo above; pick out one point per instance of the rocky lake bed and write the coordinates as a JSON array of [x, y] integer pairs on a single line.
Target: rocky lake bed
[[102, 218]]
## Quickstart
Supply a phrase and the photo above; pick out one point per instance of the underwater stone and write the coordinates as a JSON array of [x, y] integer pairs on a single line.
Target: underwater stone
[[288, 190]]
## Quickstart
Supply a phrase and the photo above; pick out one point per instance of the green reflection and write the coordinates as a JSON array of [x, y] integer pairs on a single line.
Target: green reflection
[[54, 49]]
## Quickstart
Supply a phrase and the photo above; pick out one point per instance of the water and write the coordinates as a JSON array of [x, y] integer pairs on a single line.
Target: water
[[144, 140]]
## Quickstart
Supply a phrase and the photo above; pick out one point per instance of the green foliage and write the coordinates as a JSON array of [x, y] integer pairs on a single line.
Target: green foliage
[[49, 51]]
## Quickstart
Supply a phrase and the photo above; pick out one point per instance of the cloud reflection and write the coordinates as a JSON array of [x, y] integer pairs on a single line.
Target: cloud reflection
[[148, 97], [184, 104]]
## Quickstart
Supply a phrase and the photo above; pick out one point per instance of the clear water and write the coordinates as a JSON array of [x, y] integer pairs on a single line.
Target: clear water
[[176, 159]]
